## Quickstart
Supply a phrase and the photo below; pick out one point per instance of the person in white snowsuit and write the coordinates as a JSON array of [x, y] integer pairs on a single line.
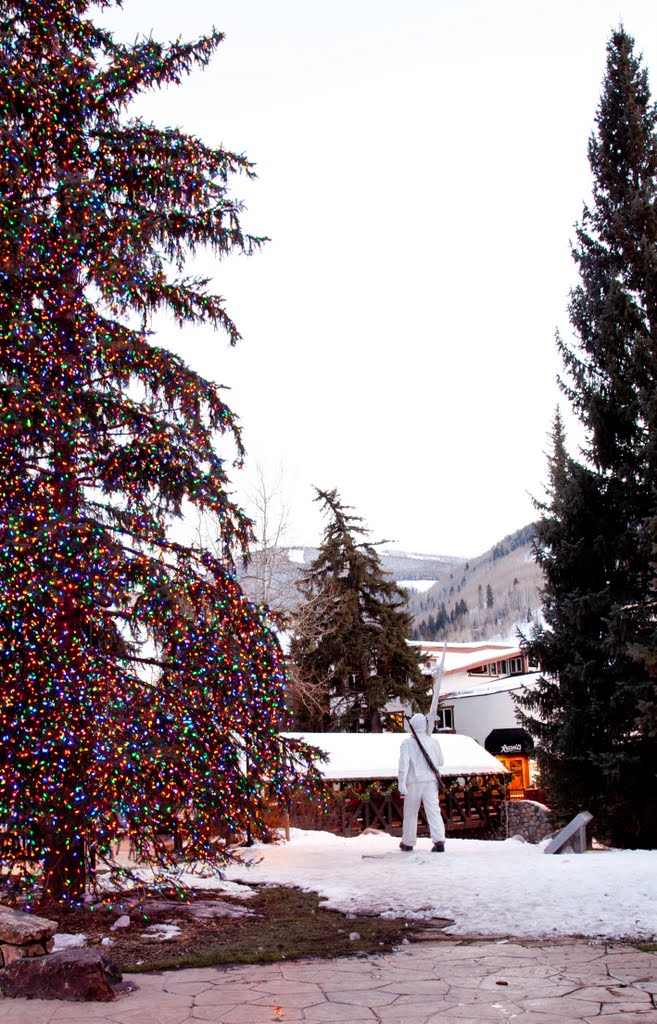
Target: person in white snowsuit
[[419, 785]]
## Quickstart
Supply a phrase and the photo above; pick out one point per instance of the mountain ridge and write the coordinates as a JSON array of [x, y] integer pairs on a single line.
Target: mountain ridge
[[456, 603], [492, 597]]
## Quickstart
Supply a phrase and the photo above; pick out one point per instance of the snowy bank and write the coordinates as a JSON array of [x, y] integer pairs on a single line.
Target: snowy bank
[[488, 888]]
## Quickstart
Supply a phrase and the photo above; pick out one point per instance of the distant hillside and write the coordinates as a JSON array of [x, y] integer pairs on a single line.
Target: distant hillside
[[487, 598], [270, 576], [449, 597]]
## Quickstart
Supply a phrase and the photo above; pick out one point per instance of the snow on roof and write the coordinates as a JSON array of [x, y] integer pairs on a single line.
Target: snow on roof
[[462, 645], [376, 755], [489, 686], [462, 657]]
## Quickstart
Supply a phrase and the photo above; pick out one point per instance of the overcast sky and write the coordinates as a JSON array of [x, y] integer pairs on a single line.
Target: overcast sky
[[421, 165]]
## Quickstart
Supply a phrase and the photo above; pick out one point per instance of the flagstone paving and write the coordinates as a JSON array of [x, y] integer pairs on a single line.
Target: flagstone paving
[[511, 982]]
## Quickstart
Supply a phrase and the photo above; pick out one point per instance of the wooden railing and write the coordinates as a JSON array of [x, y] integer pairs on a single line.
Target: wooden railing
[[350, 812], [471, 809], [528, 793]]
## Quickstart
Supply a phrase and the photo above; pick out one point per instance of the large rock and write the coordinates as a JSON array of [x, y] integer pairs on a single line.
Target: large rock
[[19, 929], [79, 975]]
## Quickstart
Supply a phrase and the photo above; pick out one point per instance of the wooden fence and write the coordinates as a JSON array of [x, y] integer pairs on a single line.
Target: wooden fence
[[475, 808]]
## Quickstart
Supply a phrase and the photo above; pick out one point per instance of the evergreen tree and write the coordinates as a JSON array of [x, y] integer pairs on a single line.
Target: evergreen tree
[[569, 707], [441, 619], [593, 539], [137, 684], [353, 642]]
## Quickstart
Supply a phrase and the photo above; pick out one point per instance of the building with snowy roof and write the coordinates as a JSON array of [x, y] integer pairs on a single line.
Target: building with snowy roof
[[479, 683], [361, 769]]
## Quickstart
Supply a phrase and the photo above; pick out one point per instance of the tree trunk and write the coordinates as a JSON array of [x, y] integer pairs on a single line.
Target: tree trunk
[[64, 869]]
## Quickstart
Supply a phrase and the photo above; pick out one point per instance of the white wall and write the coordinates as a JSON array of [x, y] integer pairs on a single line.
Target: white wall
[[478, 715]]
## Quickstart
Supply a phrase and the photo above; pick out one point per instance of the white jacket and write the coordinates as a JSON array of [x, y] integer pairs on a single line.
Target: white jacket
[[412, 764]]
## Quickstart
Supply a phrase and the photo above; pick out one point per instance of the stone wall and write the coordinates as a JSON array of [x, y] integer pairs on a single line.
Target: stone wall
[[24, 935], [529, 819], [28, 968]]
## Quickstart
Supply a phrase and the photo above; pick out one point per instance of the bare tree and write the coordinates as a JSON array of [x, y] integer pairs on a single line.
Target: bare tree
[[261, 570], [309, 692], [264, 568]]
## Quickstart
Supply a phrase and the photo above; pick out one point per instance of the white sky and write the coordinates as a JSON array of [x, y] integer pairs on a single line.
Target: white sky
[[421, 165]]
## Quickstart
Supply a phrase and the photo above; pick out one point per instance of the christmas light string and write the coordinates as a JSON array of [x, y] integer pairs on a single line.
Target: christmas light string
[[135, 677]]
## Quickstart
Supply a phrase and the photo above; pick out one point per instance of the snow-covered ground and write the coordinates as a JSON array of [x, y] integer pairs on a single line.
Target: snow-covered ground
[[488, 888]]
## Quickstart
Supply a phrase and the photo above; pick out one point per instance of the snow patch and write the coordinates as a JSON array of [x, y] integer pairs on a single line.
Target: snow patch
[[162, 932], [63, 940], [392, 553], [419, 586], [486, 888]]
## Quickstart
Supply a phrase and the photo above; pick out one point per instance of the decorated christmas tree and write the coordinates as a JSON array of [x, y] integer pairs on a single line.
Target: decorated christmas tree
[[139, 690]]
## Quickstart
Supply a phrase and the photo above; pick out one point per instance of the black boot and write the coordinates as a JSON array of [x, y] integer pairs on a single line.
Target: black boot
[[405, 848], [438, 848]]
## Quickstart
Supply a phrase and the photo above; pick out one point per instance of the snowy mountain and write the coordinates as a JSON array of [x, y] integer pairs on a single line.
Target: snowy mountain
[[440, 587], [487, 597]]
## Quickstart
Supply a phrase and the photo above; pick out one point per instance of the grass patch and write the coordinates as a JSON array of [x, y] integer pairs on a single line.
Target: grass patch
[[286, 924]]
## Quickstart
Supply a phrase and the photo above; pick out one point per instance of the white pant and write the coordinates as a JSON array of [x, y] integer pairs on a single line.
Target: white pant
[[425, 793]]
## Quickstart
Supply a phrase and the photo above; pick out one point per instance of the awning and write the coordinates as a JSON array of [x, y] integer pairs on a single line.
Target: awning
[[509, 742]]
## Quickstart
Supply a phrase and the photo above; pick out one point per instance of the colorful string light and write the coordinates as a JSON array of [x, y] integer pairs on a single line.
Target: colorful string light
[[139, 690]]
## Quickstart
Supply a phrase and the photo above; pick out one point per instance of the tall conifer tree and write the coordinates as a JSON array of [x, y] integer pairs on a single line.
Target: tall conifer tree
[[592, 539], [353, 644], [134, 675]]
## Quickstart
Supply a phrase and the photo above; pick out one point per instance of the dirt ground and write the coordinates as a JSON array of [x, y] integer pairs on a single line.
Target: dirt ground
[[210, 928]]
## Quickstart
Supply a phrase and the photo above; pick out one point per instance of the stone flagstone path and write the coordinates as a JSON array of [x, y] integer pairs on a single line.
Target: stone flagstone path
[[427, 983]]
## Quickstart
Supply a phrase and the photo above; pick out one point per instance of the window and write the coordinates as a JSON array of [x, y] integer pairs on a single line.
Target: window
[[445, 719], [516, 666], [478, 670], [493, 668], [394, 721], [504, 667]]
